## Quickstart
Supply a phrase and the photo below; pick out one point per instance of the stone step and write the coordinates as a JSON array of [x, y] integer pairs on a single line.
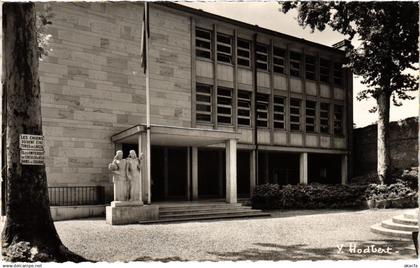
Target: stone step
[[208, 217], [378, 229], [411, 215], [192, 206], [389, 224], [189, 214], [204, 209], [403, 220]]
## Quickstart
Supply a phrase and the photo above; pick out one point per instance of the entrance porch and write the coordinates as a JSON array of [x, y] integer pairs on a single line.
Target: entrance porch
[[182, 165]]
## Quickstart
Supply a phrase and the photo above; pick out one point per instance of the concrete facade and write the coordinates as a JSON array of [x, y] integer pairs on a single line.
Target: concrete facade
[[93, 87]]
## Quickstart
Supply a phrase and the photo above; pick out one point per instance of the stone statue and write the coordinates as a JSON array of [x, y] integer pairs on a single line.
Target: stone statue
[[133, 174], [119, 178]]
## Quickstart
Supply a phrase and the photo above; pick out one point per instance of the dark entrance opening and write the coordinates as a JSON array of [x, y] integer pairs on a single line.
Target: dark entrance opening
[[243, 174], [324, 168], [211, 174], [278, 168]]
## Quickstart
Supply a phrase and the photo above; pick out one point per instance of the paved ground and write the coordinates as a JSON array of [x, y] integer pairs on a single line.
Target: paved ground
[[289, 235]]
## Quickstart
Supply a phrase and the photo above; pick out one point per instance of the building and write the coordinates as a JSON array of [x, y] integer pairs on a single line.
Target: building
[[233, 105]]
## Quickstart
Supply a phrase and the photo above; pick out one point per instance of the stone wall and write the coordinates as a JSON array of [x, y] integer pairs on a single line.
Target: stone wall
[[403, 142], [93, 86]]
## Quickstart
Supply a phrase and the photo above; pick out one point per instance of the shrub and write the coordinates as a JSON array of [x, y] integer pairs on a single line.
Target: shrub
[[310, 196], [398, 194]]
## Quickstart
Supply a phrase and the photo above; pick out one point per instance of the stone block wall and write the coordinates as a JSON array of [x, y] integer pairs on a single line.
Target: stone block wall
[[403, 142], [93, 86]]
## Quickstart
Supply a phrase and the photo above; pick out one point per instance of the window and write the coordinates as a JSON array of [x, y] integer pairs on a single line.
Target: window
[[224, 48], [262, 110], [310, 62], [203, 103], [278, 60], [203, 43], [295, 114], [244, 52], [244, 108], [324, 117], [279, 121], [338, 74], [324, 70], [310, 116], [224, 105], [295, 61], [262, 56], [338, 119]]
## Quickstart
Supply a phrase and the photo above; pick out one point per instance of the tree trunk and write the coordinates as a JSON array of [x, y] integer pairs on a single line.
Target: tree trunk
[[29, 233], [383, 133]]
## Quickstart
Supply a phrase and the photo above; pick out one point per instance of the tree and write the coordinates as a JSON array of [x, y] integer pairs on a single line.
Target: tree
[[388, 36], [29, 233]]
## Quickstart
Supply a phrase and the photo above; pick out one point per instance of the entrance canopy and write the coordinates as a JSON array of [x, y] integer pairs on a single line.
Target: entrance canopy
[[175, 136]]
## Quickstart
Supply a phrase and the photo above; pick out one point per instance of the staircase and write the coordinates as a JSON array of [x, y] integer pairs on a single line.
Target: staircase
[[195, 211], [400, 226]]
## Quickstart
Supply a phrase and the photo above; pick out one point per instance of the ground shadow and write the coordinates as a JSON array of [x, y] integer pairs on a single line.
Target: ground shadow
[[299, 252]]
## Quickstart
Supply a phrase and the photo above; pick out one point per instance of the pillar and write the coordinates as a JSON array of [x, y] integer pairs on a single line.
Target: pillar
[[231, 191], [344, 169], [194, 172], [141, 173], [252, 167], [146, 184], [303, 168]]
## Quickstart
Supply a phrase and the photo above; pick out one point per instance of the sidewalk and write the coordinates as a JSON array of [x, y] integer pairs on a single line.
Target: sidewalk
[[288, 235]]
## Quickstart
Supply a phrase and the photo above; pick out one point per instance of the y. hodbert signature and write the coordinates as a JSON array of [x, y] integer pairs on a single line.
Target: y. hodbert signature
[[369, 249]]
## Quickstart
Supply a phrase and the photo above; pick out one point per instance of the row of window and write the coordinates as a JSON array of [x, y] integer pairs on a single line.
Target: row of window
[[224, 53], [224, 106]]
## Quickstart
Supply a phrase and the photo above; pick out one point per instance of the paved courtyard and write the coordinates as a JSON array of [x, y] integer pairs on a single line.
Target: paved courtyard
[[289, 235]]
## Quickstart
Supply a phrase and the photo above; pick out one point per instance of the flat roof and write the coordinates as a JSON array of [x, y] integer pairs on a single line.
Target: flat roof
[[247, 25]]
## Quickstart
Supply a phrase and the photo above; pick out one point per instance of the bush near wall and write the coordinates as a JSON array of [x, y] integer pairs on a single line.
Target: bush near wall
[[308, 196], [322, 196]]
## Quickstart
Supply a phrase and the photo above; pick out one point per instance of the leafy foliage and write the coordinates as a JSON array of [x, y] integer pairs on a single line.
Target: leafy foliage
[[388, 36], [42, 21], [310, 196]]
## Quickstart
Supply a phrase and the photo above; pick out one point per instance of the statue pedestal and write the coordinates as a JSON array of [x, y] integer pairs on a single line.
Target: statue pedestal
[[129, 212]]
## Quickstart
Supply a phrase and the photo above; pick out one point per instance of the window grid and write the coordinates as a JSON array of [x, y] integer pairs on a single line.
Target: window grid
[[338, 120], [295, 61], [278, 60], [244, 108], [224, 48], [310, 116], [279, 108], [203, 46], [224, 105], [324, 70], [324, 115], [295, 111], [338, 74], [262, 110], [310, 62], [244, 52], [203, 103], [261, 52]]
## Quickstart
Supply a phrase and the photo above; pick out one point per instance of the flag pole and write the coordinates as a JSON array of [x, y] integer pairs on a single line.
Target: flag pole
[[148, 160]]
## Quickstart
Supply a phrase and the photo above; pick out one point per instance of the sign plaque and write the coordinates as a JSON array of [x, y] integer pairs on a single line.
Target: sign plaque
[[31, 149]]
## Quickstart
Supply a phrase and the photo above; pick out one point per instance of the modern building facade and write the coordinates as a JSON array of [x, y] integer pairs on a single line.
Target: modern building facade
[[232, 105]]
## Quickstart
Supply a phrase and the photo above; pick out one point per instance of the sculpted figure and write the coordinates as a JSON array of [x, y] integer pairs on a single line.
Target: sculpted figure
[[119, 178], [133, 174]]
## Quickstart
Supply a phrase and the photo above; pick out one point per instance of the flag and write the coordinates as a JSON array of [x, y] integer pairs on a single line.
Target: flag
[[145, 34]]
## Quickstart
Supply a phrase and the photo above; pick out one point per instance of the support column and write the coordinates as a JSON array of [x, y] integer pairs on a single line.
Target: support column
[[344, 169], [188, 174], [194, 171], [252, 167], [231, 191], [141, 173], [303, 168], [145, 178]]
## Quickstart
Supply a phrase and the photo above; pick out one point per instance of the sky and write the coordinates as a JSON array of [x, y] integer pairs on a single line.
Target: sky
[[267, 15]]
